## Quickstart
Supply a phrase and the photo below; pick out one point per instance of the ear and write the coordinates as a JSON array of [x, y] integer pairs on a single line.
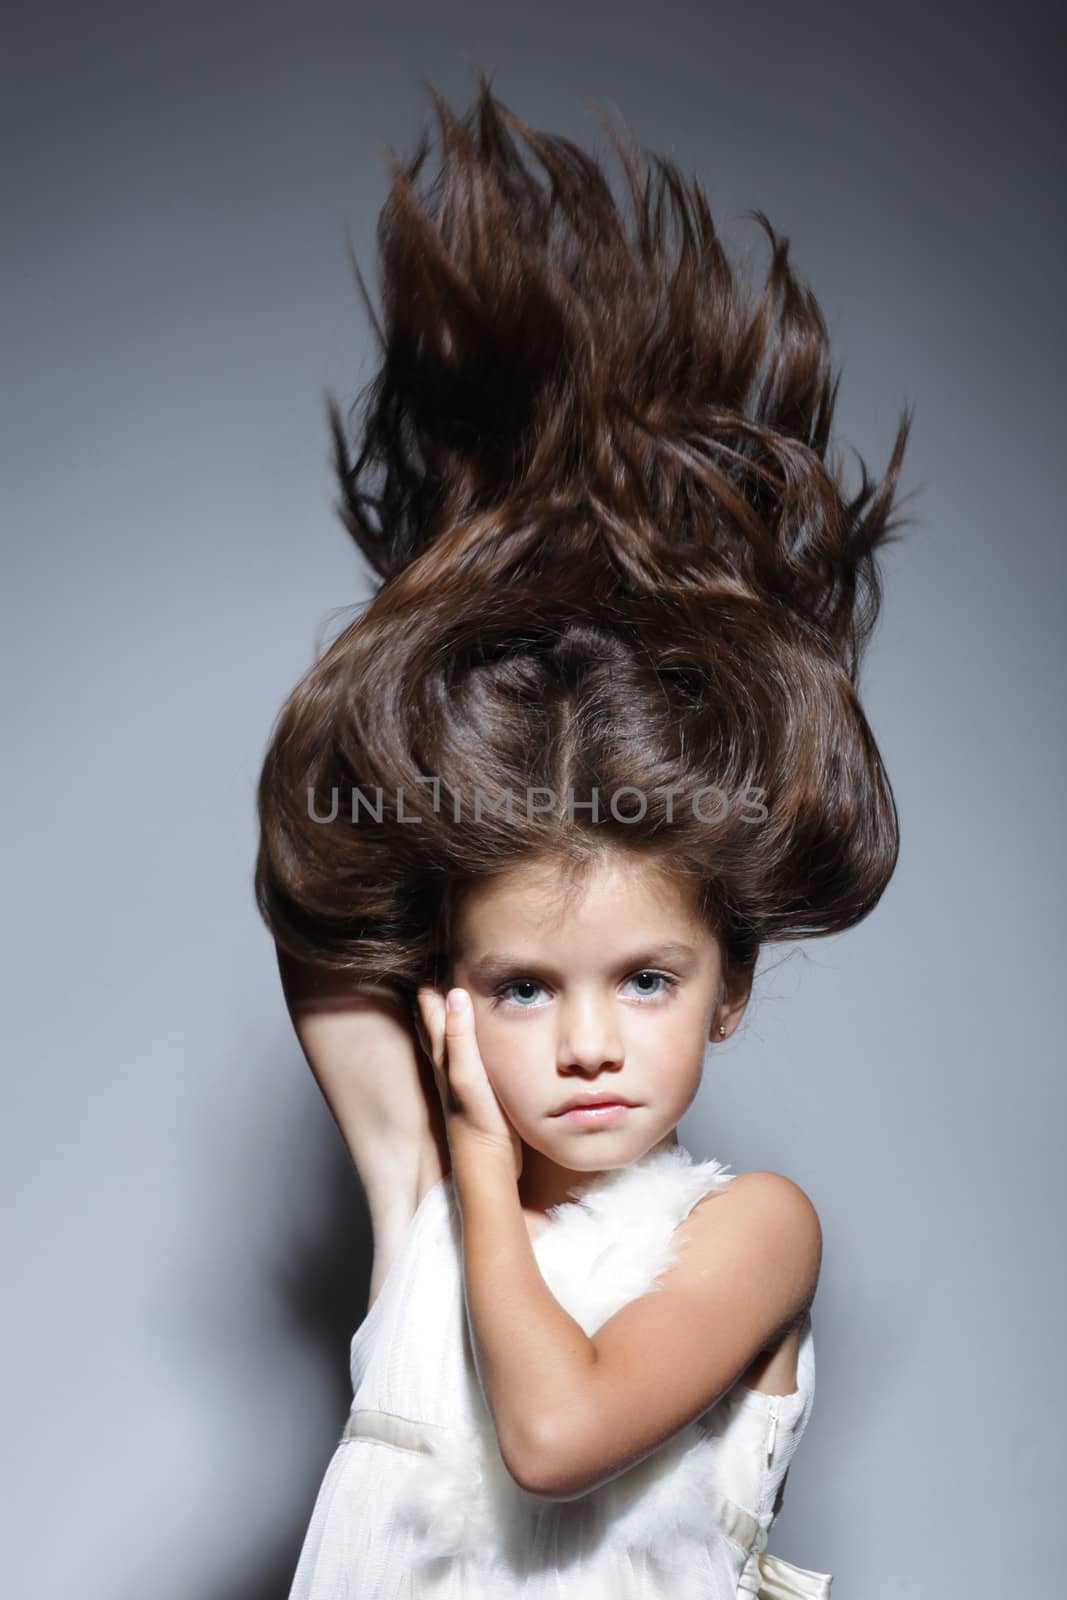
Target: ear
[[732, 1006]]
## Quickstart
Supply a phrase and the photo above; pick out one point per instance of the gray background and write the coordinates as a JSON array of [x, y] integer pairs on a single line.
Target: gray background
[[188, 1248]]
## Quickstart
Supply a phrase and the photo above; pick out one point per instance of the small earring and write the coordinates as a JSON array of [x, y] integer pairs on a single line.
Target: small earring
[[722, 1030]]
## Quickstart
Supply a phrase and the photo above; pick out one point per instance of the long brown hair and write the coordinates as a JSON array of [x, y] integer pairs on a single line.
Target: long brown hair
[[616, 557]]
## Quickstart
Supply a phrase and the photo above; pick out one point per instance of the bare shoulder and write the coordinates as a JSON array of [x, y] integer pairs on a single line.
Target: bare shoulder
[[775, 1190], [777, 1201], [770, 1218]]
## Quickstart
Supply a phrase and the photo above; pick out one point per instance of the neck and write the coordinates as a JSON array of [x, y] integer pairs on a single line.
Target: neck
[[544, 1183]]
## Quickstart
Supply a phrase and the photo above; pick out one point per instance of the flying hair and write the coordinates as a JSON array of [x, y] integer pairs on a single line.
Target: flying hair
[[615, 556]]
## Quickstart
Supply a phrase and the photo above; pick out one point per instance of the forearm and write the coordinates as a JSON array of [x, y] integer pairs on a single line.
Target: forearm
[[532, 1357]]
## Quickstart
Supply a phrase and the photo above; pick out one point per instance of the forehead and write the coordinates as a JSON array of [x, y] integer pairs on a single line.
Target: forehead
[[613, 898]]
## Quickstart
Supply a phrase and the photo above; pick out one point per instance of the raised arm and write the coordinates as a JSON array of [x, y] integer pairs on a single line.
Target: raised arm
[[361, 1047]]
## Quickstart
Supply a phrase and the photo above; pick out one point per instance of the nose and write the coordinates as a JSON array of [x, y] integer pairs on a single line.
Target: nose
[[590, 1039]]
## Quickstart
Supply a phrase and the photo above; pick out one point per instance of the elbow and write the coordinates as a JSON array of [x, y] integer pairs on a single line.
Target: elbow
[[538, 1464], [547, 1482], [526, 1460], [555, 1482], [545, 1467]]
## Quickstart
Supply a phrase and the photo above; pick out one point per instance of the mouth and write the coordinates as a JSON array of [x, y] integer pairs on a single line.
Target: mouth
[[595, 1115]]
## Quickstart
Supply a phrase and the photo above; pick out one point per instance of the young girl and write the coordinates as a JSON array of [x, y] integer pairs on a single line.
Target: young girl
[[595, 741]]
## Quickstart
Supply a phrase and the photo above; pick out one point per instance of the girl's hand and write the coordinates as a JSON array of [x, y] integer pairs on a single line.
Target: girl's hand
[[471, 1108]]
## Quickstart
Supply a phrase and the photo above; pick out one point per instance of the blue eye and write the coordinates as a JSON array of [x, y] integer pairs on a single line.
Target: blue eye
[[659, 977], [520, 983], [666, 984]]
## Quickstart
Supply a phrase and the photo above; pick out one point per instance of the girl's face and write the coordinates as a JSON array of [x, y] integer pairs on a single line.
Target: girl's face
[[613, 989]]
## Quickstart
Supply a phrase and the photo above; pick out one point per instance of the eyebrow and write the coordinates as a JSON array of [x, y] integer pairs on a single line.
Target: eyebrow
[[490, 969]]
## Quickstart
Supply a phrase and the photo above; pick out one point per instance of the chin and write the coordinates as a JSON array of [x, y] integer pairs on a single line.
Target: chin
[[597, 1152]]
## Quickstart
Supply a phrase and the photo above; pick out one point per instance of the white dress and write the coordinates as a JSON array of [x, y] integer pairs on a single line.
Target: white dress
[[416, 1502]]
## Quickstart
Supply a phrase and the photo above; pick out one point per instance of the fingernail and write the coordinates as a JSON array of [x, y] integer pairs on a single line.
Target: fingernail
[[458, 1000]]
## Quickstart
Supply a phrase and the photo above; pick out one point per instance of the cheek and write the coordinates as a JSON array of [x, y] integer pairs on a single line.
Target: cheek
[[514, 1057], [679, 1054]]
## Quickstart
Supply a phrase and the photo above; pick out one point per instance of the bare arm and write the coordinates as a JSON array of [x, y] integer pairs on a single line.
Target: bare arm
[[361, 1048], [572, 1412]]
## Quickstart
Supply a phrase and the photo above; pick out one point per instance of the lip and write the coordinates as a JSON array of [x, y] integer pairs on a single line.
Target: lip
[[592, 1097], [594, 1109], [595, 1116]]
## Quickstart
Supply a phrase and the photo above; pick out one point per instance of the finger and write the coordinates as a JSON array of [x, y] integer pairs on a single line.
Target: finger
[[431, 1007], [442, 1052], [461, 1044]]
